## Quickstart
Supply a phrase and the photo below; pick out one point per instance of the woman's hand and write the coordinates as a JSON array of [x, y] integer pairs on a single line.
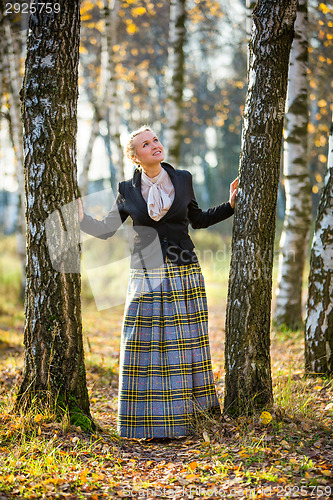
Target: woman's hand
[[233, 192], [81, 214]]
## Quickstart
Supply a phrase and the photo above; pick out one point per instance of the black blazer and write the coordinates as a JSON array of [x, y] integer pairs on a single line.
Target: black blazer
[[154, 240]]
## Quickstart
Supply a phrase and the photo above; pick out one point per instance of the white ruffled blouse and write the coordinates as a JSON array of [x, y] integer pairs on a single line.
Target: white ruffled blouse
[[158, 192]]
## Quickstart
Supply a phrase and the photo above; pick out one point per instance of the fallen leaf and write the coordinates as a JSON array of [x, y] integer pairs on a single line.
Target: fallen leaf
[[206, 437], [265, 417]]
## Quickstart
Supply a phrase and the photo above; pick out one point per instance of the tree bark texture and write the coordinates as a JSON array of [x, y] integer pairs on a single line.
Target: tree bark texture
[[54, 360], [175, 77], [248, 369], [319, 320], [295, 236]]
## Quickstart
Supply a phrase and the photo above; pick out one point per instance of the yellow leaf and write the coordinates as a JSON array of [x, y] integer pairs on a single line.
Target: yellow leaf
[[265, 417], [83, 475], [326, 472], [39, 431], [38, 418], [293, 461], [86, 17], [131, 29], [323, 7], [193, 465], [98, 477], [318, 387], [190, 477], [139, 11]]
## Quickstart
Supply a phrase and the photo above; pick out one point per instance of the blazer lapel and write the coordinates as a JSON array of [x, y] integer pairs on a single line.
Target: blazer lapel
[[136, 192], [140, 201]]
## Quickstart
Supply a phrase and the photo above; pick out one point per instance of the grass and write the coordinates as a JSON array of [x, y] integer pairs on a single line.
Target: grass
[[43, 458]]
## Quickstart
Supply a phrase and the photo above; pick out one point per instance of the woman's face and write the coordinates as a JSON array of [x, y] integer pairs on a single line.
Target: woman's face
[[148, 149]]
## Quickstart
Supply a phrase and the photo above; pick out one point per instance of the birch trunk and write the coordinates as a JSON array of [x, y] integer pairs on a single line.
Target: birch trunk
[[107, 104], [94, 131], [111, 26], [295, 236], [319, 320], [175, 78], [11, 73], [2, 56], [248, 368], [54, 361]]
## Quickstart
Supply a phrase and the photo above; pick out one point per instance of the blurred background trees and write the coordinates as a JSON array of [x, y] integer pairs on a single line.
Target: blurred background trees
[[123, 83], [136, 33]]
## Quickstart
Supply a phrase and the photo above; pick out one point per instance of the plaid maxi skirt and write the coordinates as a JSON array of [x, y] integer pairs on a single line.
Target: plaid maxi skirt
[[165, 372]]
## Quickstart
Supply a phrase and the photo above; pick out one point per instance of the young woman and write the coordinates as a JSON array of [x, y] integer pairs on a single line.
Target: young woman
[[165, 366]]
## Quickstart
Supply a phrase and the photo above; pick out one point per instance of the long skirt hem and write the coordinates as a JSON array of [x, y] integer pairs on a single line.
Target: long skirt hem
[[165, 373]]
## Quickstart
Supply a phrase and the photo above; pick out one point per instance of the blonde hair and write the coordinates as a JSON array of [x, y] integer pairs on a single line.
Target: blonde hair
[[130, 150]]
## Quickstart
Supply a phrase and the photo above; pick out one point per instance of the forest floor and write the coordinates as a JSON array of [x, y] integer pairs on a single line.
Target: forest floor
[[291, 456]]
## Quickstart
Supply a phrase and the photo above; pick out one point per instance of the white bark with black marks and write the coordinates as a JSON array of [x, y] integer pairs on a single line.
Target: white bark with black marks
[[319, 319], [175, 79], [247, 353], [54, 361], [11, 73], [295, 237], [111, 27]]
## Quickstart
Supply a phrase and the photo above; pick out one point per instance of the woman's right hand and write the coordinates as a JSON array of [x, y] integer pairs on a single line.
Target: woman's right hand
[[81, 214], [233, 192]]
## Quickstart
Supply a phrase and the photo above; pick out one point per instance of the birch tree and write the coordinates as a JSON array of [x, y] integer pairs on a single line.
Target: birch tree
[[319, 319], [54, 363], [107, 103], [175, 78], [111, 27], [10, 74], [247, 351], [295, 235]]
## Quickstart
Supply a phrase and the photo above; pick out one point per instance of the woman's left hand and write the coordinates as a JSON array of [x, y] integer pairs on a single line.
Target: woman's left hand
[[233, 192]]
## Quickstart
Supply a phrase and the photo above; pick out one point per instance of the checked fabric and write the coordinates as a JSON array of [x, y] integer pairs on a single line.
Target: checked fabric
[[165, 365]]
